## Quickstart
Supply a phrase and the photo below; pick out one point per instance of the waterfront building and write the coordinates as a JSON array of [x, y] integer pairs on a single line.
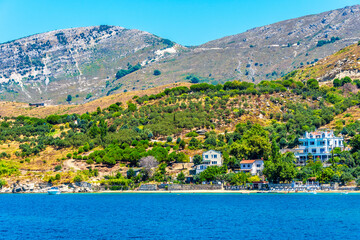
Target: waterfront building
[[209, 158], [254, 167], [318, 145]]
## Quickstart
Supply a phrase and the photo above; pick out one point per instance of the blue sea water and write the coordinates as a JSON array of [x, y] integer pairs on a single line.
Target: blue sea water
[[180, 216]]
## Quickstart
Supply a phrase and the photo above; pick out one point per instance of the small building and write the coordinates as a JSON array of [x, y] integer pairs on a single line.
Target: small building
[[201, 131], [319, 145], [254, 167], [209, 158]]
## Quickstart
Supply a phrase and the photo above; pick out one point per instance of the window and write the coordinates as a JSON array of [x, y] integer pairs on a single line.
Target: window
[[215, 156], [248, 165], [313, 150], [244, 165], [306, 143], [206, 156], [305, 151], [258, 165], [214, 162], [312, 143]]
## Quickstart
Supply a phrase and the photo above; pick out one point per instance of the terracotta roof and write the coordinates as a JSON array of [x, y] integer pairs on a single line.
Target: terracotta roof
[[247, 161]]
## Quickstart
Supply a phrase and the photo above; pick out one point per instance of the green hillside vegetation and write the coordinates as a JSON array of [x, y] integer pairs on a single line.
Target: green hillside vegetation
[[150, 130]]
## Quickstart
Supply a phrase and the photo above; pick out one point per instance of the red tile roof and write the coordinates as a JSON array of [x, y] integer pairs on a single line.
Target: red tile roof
[[247, 161]]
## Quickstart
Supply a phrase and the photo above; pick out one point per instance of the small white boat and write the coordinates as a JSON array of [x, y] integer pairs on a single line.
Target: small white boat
[[54, 191], [314, 192]]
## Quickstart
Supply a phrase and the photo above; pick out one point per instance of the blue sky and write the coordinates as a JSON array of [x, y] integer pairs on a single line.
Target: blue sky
[[188, 22]]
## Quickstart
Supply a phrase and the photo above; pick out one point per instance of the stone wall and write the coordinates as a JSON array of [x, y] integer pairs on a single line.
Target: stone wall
[[191, 187], [148, 187]]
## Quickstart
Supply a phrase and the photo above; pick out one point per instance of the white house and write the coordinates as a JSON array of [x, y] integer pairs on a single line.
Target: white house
[[255, 167], [209, 158], [318, 144]]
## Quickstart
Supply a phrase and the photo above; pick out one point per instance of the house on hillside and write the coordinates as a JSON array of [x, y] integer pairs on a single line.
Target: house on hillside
[[209, 158], [254, 167], [319, 145]]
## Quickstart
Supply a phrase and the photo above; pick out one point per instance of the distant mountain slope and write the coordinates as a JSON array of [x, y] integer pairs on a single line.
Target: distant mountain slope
[[77, 61], [345, 62], [83, 61], [266, 52]]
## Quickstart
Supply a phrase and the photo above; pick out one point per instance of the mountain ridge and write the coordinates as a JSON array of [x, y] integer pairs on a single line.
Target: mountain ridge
[[82, 62]]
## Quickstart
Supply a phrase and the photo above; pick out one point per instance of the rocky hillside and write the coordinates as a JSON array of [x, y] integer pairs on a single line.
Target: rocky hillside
[[345, 63], [266, 52], [81, 61]]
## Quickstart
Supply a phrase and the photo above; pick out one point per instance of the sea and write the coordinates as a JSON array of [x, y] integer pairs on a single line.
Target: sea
[[180, 216]]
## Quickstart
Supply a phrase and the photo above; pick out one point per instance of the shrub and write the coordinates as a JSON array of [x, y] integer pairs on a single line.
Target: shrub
[[2, 183], [157, 72], [195, 80], [192, 134], [58, 167], [89, 161], [181, 177], [78, 178]]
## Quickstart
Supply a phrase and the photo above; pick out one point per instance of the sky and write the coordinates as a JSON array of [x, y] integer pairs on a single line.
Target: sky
[[187, 22]]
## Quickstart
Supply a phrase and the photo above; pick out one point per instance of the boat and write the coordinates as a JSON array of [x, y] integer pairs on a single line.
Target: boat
[[54, 191]]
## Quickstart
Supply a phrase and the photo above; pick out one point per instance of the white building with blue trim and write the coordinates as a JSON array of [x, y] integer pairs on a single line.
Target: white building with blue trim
[[319, 145], [209, 158]]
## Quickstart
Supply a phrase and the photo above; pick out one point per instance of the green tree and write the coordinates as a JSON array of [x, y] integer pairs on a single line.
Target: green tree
[[181, 177], [2, 183], [312, 83], [275, 152], [157, 72], [346, 177], [69, 98], [253, 145], [78, 178], [182, 144], [337, 82], [197, 159], [130, 173], [211, 173], [194, 143], [355, 143]]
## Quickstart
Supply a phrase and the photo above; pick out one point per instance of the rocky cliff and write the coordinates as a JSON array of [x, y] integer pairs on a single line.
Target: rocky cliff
[[81, 61]]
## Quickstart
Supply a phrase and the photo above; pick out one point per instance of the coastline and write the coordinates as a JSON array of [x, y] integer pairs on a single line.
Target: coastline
[[197, 192], [226, 191]]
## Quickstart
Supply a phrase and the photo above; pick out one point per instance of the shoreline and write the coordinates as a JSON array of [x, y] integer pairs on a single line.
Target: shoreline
[[226, 191], [197, 192]]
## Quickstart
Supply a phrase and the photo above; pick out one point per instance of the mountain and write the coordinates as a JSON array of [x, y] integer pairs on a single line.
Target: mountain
[[83, 62], [266, 52], [79, 61]]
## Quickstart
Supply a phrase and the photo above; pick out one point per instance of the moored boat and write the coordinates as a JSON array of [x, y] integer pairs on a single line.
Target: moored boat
[[54, 191]]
